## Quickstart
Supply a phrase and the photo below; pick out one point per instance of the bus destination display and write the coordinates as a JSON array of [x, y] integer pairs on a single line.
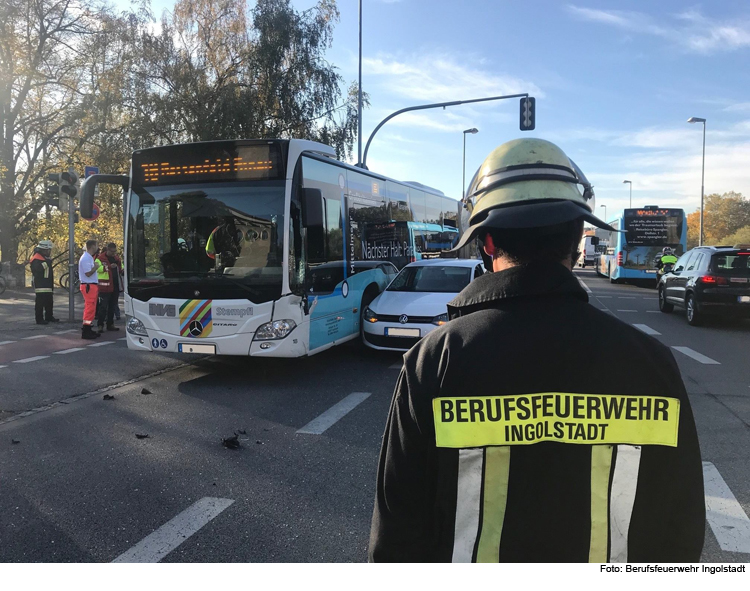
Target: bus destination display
[[653, 227], [219, 162]]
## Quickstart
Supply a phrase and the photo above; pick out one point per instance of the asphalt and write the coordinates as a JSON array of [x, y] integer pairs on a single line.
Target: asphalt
[[79, 486]]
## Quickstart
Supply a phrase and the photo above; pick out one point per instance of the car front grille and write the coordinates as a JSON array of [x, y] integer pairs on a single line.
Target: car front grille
[[412, 319]]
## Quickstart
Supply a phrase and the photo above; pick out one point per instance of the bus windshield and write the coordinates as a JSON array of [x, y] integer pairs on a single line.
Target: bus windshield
[[222, 240]]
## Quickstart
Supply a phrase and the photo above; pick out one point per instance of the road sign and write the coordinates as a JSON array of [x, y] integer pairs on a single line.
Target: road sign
[[87, 172], [528, 113], [94, 213]]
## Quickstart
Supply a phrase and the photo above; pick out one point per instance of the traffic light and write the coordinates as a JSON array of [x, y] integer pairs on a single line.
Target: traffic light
[[52, 192], [528, 113], [68, 188]]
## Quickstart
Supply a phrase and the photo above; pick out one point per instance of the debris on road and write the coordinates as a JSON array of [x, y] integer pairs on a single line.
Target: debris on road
[[14, 441], [231, 442], [258, 442], [240, 432], [145, 391], [141, 435], [108, 397]]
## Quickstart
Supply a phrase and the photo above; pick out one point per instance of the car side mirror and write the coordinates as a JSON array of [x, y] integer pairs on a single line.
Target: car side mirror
[[312, 208], [678, 270]]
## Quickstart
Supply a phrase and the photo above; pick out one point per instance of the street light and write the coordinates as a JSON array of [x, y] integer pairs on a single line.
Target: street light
[[473, 130], [631, 191], [605, 212], [703, 169]]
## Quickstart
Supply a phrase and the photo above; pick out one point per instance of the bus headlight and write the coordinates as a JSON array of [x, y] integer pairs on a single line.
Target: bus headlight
[[135, 326], [440, 320], [278, 329]]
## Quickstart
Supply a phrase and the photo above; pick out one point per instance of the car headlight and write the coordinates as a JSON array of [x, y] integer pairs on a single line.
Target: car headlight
[[440, 320], [278, 329], [135, 326], [370, 316]]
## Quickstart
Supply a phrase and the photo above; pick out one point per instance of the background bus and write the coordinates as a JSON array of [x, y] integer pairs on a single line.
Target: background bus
[[222, 240], [644, 232]]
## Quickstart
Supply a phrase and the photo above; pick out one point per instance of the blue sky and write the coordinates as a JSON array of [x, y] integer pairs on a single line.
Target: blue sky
[[615, 84]]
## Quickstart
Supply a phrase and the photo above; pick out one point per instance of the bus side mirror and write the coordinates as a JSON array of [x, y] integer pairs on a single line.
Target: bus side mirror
[[89, 185], [312, 208], [594, 241]]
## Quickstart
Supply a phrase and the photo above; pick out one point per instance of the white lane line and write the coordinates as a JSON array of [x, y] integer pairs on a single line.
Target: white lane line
[[647, 329], [2, 366], [697, 356], [396, 366], [36, 336], [157, 545], [30, 359], [604, 297], [102, 344], [625, 297], [66, 351], [654, 311], [627, 310], [66, 331], [339, 410], [6, 342], [123, 339], [724, 514], [583, 285]]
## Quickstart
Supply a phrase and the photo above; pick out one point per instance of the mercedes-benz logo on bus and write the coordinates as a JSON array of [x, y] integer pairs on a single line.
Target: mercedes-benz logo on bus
[[403, 319], [196, 328]]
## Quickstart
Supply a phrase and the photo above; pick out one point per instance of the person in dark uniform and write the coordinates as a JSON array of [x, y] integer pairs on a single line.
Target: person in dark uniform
[[44, 282], [500, 446], [225, 242]]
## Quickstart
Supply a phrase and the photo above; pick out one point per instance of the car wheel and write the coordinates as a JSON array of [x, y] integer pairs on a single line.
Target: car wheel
[[664, 306], [694, 317]]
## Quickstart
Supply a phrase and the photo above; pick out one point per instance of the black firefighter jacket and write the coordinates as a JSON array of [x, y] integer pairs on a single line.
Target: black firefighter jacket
[[534, 427]]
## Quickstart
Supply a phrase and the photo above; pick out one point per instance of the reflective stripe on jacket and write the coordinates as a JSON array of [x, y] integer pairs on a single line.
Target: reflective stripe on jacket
[[104, 273], [501, 447], [41, 270]]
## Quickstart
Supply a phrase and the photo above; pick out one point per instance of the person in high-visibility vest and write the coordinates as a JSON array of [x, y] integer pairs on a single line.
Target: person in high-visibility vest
[[225, 242], [667, 257], [44, 282]]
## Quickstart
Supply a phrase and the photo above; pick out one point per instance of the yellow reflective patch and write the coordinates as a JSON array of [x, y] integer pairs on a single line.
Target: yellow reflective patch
[[478, 421]]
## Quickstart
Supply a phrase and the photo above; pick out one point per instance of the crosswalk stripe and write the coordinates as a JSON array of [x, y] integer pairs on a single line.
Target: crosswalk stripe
[[697, 356], [30, 359], [102, 344], [321, 423], [66, 351], [6, 342], [36, 336], [724, 514]]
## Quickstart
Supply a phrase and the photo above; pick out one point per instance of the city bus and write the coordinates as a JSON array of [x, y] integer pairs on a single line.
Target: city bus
[[223, 239], [631, 252], [402, 242]]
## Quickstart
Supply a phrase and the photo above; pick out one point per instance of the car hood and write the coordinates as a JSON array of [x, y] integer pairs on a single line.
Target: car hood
[[411, 303]]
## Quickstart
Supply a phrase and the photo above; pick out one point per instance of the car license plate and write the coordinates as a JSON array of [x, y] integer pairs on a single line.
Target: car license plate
[[402, 332], [738, 280], [743, 299], [195, 348]]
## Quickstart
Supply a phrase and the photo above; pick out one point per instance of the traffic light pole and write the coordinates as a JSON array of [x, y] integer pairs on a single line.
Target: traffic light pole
[[363, 163], [71, 258]]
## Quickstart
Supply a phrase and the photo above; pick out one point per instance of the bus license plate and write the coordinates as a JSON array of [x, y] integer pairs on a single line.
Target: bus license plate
[[194, 348], [402, 332], [650, 270], [743, 299]]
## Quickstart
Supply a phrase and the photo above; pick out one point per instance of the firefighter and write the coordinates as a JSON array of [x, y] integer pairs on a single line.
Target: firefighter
[[44, 282], [500, 446]]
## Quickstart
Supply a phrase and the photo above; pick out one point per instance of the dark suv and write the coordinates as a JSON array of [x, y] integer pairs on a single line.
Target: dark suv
[[708, 280]]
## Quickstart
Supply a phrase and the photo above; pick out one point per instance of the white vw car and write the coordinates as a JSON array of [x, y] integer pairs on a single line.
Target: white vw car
[[416, 302]]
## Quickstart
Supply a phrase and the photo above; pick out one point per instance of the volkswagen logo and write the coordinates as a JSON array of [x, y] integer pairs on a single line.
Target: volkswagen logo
[[403, 319], [196, 328]]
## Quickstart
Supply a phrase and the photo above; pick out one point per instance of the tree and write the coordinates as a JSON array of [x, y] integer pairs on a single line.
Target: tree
[[723, 215], [741, 236]]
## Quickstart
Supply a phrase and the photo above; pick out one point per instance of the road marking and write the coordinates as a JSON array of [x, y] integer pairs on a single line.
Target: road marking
[[647, 329], [67, 331], [338, 411], [625, 297], [66, 351], [653, 311], [2, 366], [123, 339], [697, 356], [36, 336], [157, 545], [102, 344], [627, 310], [604, 297], [30, 359], [6, 342], [583, 285], [724, 514], [396, 366]]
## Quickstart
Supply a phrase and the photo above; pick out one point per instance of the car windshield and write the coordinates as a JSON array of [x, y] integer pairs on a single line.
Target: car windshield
[[222, 239], [736, 264], [432, 278]]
